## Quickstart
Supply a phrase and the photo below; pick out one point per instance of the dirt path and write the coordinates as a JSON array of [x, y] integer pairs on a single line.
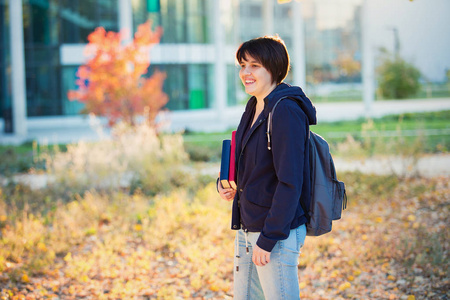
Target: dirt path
[[433, 165]]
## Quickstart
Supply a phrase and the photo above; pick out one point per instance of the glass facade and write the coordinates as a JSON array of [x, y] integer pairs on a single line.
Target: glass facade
[[332, 49], [48, 24]]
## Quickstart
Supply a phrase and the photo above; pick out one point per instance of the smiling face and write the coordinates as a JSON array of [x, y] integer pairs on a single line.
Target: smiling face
[[256, 79]]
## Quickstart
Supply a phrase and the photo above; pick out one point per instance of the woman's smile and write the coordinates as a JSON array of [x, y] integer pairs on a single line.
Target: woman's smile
[[255, 78]]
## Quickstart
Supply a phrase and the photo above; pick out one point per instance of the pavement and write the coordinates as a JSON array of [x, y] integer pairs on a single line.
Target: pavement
[[428, 165], [338, 111], [71, 129]]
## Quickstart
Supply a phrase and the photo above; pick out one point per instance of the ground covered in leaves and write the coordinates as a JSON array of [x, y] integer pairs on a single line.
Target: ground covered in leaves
[[391, 243]]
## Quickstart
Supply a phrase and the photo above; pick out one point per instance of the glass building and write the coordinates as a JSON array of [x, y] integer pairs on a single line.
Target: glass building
[[196, 51]]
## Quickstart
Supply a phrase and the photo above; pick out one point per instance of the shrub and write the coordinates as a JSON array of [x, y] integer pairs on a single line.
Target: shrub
[[133, 154], [398, 79]]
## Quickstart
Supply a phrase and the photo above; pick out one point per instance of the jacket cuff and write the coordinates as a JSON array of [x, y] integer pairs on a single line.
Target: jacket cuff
[[265, 243]]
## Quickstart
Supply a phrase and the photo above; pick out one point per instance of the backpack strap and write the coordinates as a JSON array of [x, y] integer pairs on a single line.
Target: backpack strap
[[269, 124]]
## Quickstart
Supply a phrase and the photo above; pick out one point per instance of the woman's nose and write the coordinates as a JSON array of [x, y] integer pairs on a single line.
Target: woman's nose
[[245, 70]]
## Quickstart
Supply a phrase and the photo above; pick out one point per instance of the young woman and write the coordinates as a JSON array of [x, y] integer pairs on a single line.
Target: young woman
[[273, 185]]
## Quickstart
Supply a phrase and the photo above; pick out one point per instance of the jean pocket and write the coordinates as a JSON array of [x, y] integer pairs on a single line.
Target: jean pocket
[[290, 248]]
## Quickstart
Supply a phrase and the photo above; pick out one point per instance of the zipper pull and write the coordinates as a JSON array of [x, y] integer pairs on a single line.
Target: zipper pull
[[246, 240]]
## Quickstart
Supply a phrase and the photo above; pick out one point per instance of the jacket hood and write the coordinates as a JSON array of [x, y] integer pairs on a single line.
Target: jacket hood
[[294, 92]]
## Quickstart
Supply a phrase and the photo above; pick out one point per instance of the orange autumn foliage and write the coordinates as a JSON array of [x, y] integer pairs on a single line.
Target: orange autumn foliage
[[112, 82]]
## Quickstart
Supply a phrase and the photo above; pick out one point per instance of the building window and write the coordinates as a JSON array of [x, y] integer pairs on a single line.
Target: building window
[[232, 81], [251, 21], [42, 69], [43, 83], [188, 86], [5, 70], [68, 83], [184, 22], [332, 44], [144, 10], [80, 17]]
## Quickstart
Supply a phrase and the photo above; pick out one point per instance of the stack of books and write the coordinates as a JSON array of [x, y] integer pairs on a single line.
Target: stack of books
[[228, 162]]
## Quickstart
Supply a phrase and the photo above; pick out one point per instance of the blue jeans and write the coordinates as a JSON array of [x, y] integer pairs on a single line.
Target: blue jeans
[[277, 279]]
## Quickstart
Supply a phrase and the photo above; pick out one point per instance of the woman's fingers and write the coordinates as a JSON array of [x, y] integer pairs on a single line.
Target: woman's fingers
[[228, 194], [260, 257]]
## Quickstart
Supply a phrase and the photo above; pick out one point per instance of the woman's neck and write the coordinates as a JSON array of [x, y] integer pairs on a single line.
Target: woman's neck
[[260, 98]]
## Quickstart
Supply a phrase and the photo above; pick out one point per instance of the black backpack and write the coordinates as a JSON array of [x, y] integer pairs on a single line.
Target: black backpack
[[328, 197]]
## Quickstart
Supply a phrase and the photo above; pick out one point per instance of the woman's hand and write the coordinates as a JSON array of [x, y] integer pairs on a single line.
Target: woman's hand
[[260, 257], [226, 194]]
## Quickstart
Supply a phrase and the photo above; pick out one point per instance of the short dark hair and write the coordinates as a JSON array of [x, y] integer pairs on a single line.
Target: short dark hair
[[271, 52]]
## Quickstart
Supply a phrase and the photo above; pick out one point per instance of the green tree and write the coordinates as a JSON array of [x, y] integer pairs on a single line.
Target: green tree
[[398, 79]]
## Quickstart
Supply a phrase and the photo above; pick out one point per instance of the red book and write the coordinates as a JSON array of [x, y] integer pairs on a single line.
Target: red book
[[232, 172]]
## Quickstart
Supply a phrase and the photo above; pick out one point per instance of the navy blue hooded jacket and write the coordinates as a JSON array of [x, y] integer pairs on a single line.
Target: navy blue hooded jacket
[[273, 186]]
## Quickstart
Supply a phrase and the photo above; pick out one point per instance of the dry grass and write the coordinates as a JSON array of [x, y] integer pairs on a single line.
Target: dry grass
[[389, 245]]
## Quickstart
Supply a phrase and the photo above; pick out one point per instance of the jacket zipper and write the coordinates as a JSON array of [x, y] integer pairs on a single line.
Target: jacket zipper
[[239, 163], [245, 144]]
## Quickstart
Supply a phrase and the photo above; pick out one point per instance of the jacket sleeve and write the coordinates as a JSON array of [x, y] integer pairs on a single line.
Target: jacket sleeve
[[289, 137]]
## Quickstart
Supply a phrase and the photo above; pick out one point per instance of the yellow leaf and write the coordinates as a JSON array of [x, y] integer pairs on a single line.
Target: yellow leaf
[[3, 218], [25, 278], [138, 227], [214, 288], [364, 237], [41, 246], [302, 285], [379, 219], [68, 257], [186, 294], [350, 278], [391, 278], [411, 297], [411, 218], [196, 283], [345, 286]]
